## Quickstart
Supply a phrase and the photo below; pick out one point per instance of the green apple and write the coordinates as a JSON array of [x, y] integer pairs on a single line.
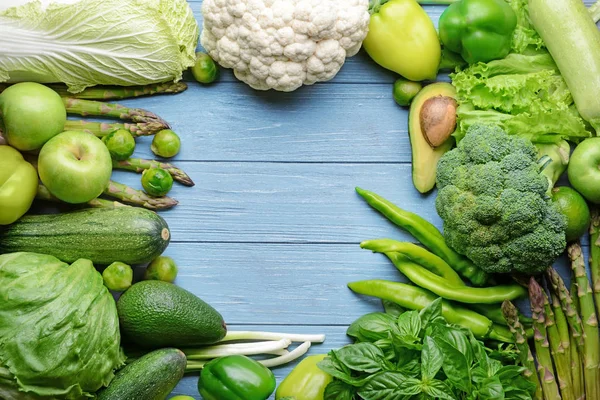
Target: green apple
[[32, 114], [75, 166], [584, 169]]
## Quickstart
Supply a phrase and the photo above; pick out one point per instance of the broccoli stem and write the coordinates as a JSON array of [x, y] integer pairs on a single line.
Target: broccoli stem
[[520, 339], [591, 344], [98, 108], [545, 369]]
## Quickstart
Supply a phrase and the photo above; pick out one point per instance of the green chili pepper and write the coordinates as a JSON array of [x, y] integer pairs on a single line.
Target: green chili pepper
[[442, 287], [426, 233], [236, 378], [415, 298], [417, 254], [306, 381], [480, 30]]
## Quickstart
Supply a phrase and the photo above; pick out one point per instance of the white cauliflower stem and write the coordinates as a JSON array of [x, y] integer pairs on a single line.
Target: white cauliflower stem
[[283, 44]]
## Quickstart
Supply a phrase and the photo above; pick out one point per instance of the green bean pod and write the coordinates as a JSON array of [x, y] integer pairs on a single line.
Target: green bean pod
[[415, 298], [417, 254], [426, 233], [465, 294]]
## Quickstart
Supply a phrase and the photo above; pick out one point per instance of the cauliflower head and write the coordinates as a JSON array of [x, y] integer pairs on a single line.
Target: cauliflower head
[[283, 44], [493, 200]]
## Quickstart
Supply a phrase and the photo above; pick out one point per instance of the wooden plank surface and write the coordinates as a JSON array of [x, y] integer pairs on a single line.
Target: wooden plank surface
[[269, 235]]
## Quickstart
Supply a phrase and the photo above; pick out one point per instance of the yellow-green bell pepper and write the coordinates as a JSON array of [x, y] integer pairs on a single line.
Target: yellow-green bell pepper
[[305, 382], [402, 38], [18, 185]]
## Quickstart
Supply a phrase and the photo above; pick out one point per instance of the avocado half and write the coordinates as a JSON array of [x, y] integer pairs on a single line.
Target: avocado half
[[424, 156]]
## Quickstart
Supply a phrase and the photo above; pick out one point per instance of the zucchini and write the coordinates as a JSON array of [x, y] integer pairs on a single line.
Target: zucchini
[[128, 234], [150, 377], [573, 40]]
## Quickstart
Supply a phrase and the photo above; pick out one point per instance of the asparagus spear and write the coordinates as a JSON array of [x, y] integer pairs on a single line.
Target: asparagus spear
[[561, 325], [91, 107], [562, 359], [595, 255], [140, 165], [591, 344], [44, 194], [576, 373], [545, 369], [568, 307], [511, 316], [137, 197], [101, 129], [121, 92]]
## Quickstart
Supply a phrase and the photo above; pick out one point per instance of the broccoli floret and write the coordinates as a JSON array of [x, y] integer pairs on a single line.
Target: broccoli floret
[[494, 203]]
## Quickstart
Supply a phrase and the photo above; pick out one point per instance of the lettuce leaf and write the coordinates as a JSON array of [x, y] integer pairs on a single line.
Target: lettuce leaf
[[59, 329], [87, 43]]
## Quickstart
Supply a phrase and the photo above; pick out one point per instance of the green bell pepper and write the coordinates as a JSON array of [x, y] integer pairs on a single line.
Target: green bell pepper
[[18, 185], [236, 378], [306, 382], [480, 30]]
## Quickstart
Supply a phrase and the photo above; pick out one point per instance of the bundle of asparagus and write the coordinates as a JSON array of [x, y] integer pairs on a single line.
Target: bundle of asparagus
[[566, 335], [142, 122]]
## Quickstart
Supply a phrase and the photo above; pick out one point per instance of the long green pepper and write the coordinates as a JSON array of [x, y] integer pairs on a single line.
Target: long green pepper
[[426, 233]]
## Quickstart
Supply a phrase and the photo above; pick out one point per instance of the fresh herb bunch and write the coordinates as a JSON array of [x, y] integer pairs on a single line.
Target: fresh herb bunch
[[416, 355]]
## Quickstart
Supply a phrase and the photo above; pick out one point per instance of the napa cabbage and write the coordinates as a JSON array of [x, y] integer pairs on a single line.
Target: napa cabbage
[[59, 329], [88, 42]]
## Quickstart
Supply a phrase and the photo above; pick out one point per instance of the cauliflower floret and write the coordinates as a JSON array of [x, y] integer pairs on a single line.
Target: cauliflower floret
[[283, 44]]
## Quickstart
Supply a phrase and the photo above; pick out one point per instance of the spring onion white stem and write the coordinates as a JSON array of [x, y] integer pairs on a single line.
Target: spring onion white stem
[[251, 335], [294, 354], [247, 349]]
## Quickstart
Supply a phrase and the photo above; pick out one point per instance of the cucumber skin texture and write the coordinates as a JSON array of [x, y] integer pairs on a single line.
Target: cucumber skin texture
[[573, 40], [155, 314], [129, 234], [150, 377]]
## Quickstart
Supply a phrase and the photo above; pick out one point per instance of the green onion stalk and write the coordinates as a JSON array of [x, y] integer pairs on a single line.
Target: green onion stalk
[[511, 315], [542, 345], [591, 355], [249, 344]]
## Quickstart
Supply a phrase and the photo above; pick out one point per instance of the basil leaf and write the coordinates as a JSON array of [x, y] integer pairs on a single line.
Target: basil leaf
[[508, 373], [409, 363], [409, 325], [392, 308], [337, 369], [433, 312], [371, 327], [456, 366], [438, 390], [518, 394], [338, 390], [363, 357], [491, 389], [390, 386], [431, 359]]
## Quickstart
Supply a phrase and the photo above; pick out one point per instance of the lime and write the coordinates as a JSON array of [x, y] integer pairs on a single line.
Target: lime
[[573, 206]]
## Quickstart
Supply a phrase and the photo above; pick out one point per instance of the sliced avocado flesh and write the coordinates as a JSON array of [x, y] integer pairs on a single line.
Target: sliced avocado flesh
[[424, 157]]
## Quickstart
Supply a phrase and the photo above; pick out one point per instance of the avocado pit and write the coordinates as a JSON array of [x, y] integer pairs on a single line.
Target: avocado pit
[[438, 119]]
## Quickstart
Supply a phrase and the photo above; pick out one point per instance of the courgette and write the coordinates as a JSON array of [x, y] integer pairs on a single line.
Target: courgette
[[150, 377], [128, 234]]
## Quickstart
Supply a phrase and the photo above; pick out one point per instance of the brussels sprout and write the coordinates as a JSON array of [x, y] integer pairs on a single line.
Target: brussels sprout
[[166, 143], [162, 268], [157, 181], [120, 144], [404, 91], [205, 70], [117, 276]]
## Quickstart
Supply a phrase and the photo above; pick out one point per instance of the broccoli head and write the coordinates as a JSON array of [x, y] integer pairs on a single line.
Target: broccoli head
[[493, 200]]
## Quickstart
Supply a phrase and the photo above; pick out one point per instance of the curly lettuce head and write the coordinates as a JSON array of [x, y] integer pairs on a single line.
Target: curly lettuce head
[[59, 330]]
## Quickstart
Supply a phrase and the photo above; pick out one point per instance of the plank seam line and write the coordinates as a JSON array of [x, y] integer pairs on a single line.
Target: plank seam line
[[293, 162]]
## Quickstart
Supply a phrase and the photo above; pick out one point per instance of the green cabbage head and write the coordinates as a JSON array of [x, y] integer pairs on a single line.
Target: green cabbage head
[[59, 330]]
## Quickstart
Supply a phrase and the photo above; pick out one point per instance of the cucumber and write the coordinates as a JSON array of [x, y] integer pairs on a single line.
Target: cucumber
[[150, 377], [130, 235]]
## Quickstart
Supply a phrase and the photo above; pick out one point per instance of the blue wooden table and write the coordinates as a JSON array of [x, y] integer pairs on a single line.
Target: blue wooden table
[[269, 235]]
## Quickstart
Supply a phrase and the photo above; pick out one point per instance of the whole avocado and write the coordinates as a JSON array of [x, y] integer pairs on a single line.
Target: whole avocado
[[495, 205], [155, 314]]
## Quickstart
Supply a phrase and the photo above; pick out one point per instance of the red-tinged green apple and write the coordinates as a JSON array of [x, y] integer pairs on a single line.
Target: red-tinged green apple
[[584, 169], [75, 166], [32, 114]]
